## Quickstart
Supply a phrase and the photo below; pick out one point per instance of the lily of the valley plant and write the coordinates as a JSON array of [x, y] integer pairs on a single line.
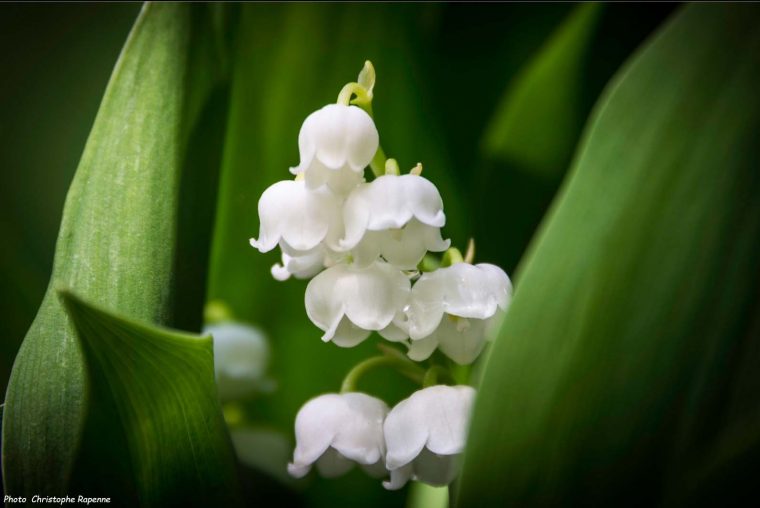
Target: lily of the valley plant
[[365, 244]]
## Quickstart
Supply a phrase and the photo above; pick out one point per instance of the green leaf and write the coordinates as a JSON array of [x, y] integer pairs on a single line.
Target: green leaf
[[630, 347], [118, 242], [553, 109], [536, 124], [161, 383], [62, 51]]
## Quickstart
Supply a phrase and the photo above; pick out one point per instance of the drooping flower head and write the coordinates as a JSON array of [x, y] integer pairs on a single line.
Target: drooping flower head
[[337, 430], [348, 303], [453, 308], [297, 218], [425, 435], [336, 143], [398, 217], [302, 265]]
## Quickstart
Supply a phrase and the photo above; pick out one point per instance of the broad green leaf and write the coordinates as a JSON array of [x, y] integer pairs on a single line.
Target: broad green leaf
[[118, 242], [551, 95], [536, 124], [161, 383], [49, 52], [631, 346]]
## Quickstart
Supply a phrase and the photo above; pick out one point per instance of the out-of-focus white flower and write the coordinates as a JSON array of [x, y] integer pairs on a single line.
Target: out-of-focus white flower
[[336, 143], [425, 435], [338, 430], [348, 302], [454, 308], [397, 217], [298, 218], [241, 358]]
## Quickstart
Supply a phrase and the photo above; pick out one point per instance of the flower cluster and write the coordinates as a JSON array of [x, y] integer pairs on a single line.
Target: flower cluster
[[363, 241], [364, 244], [421, 438]]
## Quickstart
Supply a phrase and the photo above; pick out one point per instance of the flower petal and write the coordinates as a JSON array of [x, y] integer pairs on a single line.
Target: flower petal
[[360, 438], [317, 423], [500, 285], [332, 464], [369, 297], [461, 339], [300, 217], [406, 247], [335, 429], [362, 138], [337, 136], [302, 266], [348, 334], [434, 469], [436, 417], [368, 250], [421, 349], [399, 477], [341, 180], [323, 307], [390, 202], [330, 130], [393, 333], [450, 408], [426, 304], [375, 295], [470, 291], [406, 431], [279, 272]]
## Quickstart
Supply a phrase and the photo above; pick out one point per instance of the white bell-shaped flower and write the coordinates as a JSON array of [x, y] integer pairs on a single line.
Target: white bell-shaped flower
[[241, 357], [304, 265], [336, 143], [337, 430], [398, 217], [298, 218], [403, 248], [461, 339], [348, 302], [454, 308], [426, 434]]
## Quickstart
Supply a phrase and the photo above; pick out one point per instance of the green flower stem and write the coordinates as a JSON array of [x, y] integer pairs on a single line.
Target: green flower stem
[[402, 365], [433, 374], [378, 162], [363, 100], [363, 97], [460, 373]]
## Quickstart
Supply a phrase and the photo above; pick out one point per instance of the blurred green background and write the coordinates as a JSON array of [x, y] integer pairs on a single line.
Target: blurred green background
[[448, 74]]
